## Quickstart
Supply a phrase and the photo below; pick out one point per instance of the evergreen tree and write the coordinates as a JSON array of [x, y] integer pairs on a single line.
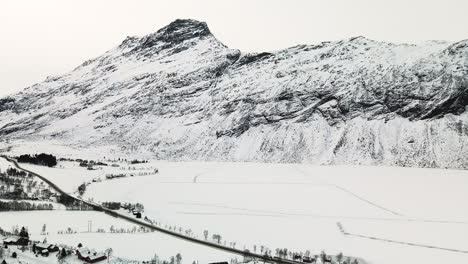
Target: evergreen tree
[[24, 233]]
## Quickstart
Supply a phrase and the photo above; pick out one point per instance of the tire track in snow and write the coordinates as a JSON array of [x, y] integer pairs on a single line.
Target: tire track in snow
[[367, 201], [195, 180], [342, 230], [359, 197], [255, 212], [230, 214]]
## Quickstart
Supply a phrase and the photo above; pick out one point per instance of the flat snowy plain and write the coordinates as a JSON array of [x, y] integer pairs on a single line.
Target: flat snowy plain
[[395, 215]]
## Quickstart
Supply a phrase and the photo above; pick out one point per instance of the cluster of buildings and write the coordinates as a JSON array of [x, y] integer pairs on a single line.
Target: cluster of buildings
[[44, 249]]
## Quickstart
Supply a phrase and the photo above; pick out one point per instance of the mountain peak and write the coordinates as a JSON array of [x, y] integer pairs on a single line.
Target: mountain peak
[[183, 29], [176, 32], [181, 24]]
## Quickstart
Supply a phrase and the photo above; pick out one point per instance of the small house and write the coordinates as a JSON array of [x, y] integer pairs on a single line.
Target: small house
[[82, 253], [96, 257], [41, 246], [10, 241], [90, 255], [16, 240], [53, 248], [308, 260]]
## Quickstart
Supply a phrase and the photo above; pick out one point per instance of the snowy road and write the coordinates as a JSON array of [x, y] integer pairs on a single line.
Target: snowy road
[[167, 232]]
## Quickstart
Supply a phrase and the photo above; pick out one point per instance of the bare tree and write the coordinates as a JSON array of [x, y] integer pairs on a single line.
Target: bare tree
[[109, 252], [339, 257], [155, 259], [217, 238], [178, 258]]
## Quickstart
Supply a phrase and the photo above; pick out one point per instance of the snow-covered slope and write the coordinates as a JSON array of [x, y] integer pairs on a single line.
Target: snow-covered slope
[[179, 93]]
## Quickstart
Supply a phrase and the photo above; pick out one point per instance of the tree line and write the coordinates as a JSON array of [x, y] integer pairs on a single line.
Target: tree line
[[23, 206], [72, 204], [39, 159]]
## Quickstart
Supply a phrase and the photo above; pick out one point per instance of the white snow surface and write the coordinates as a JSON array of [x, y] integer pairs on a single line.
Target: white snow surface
[[180, 94], [135, 246], [299, 206]]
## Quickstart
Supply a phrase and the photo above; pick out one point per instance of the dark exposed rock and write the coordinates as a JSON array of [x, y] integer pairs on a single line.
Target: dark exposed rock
[[176, 32], [250, 58], [182, 94], [6, 103]]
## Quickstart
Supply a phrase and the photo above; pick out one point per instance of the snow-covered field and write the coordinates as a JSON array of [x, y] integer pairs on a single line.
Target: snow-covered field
[[422, 211], [299, 206], [137, 246], [67, 175]]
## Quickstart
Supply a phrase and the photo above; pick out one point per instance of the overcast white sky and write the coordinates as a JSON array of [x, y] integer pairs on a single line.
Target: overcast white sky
[[50, 37]]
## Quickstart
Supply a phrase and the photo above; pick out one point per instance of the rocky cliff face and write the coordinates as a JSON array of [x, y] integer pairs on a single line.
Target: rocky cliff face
[[179, 93]]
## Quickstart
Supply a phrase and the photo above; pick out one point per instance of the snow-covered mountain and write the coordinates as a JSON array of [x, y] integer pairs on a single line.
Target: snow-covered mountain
[[180, 94]]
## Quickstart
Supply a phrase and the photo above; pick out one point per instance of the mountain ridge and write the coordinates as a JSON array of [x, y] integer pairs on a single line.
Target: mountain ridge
[[179, 93]]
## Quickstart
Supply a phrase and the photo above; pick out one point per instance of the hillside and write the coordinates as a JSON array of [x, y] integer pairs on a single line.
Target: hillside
[[180, 94]]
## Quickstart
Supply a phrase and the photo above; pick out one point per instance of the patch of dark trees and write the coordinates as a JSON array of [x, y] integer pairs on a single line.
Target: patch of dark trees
[[8, 179], [16, 194], [23, 206], [112, 205], [137, 207], [72, 204], [135, 161], [115, 176], [15, 173], [82, 189], [12, 177], [39, 159], [90, 163]]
